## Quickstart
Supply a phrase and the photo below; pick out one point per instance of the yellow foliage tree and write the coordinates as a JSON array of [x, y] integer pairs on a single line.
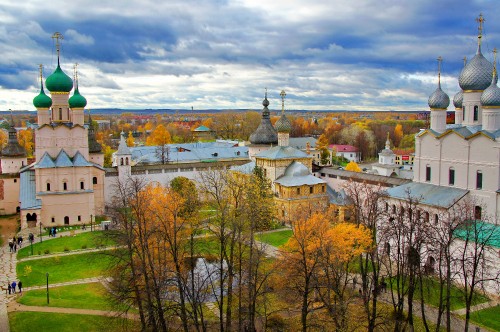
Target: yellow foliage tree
[[159, 136], [353, 167], [108, 153], [130, 139], [25, 138], [3, 139], [398, 134]]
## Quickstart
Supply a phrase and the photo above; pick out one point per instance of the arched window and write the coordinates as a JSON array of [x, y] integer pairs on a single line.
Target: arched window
[[48, 186], [478, 212], [121, 161], [393, 208], [94, 180], [66, 220], [82, 185], [65, 185], [60, 113], [436, 219], [386, 207], [463, 113], [426, 216], [428, 173], [311, 190], [126, 161], [479, 180], [476, 113], [451, 176]]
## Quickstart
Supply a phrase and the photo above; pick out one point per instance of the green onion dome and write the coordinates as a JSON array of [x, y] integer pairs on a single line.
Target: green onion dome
[[59, 81], [42, 100], [77, 100]]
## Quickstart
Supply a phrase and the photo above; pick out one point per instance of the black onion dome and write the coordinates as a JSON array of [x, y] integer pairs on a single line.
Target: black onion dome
[[458, 99], [265, 133], [476, 74]]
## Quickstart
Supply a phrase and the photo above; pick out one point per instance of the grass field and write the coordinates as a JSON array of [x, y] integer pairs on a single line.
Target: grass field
[[431, 295], [44, 321], [489, 318], [63, 268], [84, 296], [89, 240], [276, 239]]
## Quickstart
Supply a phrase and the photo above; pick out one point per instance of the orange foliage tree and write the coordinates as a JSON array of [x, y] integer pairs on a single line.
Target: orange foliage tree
[[353, 167], [25, 138]]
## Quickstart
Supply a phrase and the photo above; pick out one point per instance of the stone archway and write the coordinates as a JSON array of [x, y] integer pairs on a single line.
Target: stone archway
[[66, 220], [31, 219]]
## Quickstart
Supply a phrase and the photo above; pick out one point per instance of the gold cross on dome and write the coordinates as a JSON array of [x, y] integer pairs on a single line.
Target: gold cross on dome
[[57, 36], [480, 20]]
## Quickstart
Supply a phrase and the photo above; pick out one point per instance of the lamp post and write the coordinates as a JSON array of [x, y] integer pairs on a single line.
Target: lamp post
[[47, 275], [41, 240], [91, 223], [31, 243]]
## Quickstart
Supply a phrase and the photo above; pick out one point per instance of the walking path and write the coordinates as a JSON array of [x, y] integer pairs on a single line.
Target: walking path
[[68, 253]]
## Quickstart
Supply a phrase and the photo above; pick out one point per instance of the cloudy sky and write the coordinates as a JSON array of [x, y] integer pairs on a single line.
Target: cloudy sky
[[326, 54]]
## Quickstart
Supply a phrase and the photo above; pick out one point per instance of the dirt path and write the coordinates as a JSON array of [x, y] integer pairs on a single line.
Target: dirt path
[[14, 306]]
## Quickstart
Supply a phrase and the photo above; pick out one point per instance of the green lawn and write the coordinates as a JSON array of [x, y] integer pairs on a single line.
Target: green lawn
[[276, 239], [431, 295], [84, 296], [45, 321], [63, 268], [489, 318], [89, 240]]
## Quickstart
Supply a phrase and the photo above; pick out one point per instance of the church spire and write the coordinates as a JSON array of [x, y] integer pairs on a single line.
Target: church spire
[[480, 20], [57, 36]]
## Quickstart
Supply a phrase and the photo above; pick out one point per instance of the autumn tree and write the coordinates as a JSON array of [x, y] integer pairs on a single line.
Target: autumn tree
[[160, 137], [398, 134], [322, 146], [353, 167], [3, 139], [25, 138], [130, 139], [407, 142]]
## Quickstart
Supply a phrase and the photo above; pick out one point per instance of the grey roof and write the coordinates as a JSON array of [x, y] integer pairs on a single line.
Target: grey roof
[[301, 142], [27, 193], [283, 125], [458, 99], [297, 174], [245, 168], [476, 74], [439, 99], [362, 177], [464, 131], [63, 160], [282, 152], [387, 152], [428, 194], [265, 132], [123, 149], [338, 197], [190, 152]]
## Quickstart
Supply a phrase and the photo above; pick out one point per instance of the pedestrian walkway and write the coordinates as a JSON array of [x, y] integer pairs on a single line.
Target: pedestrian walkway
[[14, 306], [67, 283], [8, 263], [69, 253]]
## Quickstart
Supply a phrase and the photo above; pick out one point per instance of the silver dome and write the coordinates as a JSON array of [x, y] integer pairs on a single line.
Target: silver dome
[[439, 99], [491, 96], [476, 74], [265, 133], [296, 169], [458, 99], [283, 125]]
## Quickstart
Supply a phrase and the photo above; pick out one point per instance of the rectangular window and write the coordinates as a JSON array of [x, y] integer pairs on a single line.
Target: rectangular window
[[451, 177], [53, 219], [311, 190], [79, 218], [298, 191], [479, 180], [427, 173], [82, 186], [65, 186], [476, 113]]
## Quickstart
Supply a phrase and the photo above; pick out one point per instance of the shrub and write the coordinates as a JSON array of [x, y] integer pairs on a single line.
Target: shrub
[[46, 251], [39, 252], [66, 249], [84, 246]]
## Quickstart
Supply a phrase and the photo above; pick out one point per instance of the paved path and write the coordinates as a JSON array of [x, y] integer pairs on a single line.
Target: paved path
[[68, 253], [73, 282]]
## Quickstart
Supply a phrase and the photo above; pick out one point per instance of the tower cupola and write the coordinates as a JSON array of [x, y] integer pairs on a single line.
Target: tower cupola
[[42, 101], [438, 103], [265, 133]]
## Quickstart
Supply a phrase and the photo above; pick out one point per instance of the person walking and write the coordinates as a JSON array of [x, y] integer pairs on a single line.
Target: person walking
[[9, 287], [11, 246], [13, 287], [20, 286], [15, 247]]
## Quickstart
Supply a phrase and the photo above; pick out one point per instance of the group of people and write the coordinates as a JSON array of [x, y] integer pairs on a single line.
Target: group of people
[[53, 232], [11, 287], [14, 242]]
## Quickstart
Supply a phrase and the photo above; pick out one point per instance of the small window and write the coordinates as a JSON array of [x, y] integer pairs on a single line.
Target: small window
[[451, 177], [323, 188], [386, 207], [60, 113], [427, 173], [94, 180], [53, 219], [393, 209], [477, 212], [66, 220], [463, 113], [48, 186], [311, 190], [121, 161], [426, 217], [436, 219], [15, 180], [65, 186], [79, 218], [479, 180], [298, 191], [476, 113], [82, 185], [126, 161]]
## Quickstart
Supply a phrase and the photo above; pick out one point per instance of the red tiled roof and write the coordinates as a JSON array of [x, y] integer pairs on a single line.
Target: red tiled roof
[[343, 148]]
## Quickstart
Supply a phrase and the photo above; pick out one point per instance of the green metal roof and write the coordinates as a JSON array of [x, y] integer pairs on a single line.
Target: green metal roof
[[77, 100], [481, 231], [59, 81]]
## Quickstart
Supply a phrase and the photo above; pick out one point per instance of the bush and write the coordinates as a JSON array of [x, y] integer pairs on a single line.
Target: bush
[[39, 252], [84, 246], [46, 251], [66, 249]]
